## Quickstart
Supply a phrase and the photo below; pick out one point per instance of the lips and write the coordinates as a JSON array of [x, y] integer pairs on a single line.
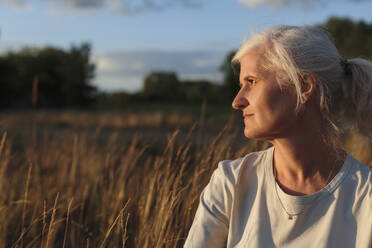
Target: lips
[[247, 115]]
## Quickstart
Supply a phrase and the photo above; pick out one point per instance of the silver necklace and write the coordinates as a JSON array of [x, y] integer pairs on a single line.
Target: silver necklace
[[290, 215]]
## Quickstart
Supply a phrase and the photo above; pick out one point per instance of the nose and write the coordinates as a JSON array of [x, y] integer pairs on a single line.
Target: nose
[[240, 101]]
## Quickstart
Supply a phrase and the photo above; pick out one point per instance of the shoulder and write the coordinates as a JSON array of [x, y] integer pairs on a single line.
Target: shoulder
[[218, 196], [231, 169], [360, 173], [360, 178]]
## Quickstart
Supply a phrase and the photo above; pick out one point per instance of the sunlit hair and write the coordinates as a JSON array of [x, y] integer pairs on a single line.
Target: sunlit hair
[[344, 87]]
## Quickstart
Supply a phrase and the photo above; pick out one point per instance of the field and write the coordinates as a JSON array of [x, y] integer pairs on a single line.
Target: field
[[72, 178]]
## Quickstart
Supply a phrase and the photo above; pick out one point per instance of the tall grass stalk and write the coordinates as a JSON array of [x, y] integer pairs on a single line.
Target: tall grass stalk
[[97, 188]]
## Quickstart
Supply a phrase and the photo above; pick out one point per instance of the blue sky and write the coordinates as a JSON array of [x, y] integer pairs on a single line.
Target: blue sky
[[130, 38]]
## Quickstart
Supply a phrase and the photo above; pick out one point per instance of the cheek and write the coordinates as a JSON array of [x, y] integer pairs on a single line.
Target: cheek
[[277, 108]]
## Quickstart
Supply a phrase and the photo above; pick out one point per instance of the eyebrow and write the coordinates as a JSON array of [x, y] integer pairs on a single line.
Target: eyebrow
[[246, 78]]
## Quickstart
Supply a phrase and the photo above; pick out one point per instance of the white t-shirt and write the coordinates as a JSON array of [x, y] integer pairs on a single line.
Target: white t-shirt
[[242, 206]]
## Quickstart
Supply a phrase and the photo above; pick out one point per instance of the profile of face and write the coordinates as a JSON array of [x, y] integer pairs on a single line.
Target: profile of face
[[268, 110]]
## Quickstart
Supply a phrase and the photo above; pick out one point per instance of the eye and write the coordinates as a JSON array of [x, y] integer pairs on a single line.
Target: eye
[[248, 81], [251, 81]]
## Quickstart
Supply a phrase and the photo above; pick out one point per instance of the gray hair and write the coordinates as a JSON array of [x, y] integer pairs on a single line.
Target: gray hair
[[344, 86]]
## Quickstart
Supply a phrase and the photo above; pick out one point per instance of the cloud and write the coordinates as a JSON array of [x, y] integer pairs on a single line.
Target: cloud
[[17, 3], [125, 7], [81, 4], [284, 3], [139, 62], [135, 65], [274, 3]]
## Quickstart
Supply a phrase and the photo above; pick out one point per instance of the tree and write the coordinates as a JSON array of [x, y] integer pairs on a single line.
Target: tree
[[64, 76], [6, 83], [161, 86], [197, 91], [231, 75], [79, 73], [353, 39]]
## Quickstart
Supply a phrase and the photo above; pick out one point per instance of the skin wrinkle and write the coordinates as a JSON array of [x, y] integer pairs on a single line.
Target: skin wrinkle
[[303, 161]]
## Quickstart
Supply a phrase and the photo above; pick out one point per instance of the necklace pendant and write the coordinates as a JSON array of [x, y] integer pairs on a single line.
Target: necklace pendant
[[290, 217]]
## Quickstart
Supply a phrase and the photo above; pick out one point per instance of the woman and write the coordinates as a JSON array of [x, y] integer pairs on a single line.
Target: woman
[[298, 94]]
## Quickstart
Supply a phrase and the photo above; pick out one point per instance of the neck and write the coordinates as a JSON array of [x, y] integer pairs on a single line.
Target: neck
[[303, 162]]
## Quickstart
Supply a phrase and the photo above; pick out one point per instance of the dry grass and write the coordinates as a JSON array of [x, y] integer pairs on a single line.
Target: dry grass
[[78, 188]]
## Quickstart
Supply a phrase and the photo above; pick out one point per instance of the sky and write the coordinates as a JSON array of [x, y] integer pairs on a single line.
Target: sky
[[131, 38]]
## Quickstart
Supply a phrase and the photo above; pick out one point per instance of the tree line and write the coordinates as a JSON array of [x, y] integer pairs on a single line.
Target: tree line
[[53, 77], [352, 38], [47, 77]]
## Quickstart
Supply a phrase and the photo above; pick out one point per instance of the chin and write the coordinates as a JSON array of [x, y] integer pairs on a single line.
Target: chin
[[250, 134], [255, 134]]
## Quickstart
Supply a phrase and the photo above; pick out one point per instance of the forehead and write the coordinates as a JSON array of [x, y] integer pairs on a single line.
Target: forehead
[[251, 62]]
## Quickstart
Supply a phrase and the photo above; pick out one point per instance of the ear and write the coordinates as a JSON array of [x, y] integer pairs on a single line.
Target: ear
[[308, 85]]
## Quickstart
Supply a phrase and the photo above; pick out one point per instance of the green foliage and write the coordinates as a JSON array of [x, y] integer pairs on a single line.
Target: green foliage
[[63, 77], [165, 86], [198, 91], [161, 86], [114, 99], [231, 75], [7, 83], [353, 39]]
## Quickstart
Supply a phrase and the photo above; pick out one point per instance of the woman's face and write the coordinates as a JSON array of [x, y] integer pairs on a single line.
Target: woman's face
[[268, 110]]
